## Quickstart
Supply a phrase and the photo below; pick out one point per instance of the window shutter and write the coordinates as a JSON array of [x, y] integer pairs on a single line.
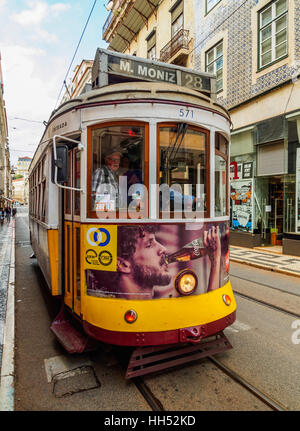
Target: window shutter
[[270, 159], [177, 12]]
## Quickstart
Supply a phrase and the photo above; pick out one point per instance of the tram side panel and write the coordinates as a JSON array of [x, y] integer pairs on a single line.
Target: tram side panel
[[44, 224]]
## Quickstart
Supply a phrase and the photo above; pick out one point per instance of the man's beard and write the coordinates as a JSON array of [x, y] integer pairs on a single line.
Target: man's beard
[[149, 276]]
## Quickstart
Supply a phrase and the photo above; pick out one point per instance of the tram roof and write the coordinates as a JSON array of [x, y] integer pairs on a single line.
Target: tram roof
[[117, 82]]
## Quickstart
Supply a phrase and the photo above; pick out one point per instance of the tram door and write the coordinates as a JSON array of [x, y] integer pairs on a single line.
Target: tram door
[[72, 235]]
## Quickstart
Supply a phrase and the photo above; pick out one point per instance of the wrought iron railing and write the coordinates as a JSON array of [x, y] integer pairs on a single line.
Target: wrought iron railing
[[107, 22], [178, 42]]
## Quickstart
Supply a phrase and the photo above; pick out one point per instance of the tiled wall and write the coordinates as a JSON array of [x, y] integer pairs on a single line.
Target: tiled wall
[[234, 17]]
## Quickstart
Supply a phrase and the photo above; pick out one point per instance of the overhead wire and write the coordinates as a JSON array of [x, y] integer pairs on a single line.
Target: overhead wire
[[25, 119], [82, 34]]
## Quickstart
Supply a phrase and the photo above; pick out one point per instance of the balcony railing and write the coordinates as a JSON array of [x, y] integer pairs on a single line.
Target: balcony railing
[[107, 22], [178, 42]]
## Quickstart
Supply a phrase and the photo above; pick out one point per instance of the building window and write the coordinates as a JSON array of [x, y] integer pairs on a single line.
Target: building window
[[210, 4], [151, 45], [273, 21], [214, 64], [177, 19]]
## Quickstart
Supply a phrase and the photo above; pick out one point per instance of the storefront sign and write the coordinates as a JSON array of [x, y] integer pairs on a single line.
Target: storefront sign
[[247, 170], [235, 170]]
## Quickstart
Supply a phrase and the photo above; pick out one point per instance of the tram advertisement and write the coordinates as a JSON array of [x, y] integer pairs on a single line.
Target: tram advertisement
[[152, 261]]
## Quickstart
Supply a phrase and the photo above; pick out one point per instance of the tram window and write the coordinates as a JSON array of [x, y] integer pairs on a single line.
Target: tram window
[[184, 166], [118, 160], [69, 184], [77, 183], [221, 175], [43, 189], [77, 262]]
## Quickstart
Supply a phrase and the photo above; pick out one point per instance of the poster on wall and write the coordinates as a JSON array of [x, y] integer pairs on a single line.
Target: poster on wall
[[298, 191], [241, 194]]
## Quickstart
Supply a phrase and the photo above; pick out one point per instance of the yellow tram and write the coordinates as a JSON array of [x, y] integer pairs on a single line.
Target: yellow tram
[[129, 212]]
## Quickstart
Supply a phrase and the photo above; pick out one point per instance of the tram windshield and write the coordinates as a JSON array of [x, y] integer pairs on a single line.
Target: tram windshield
[[183, 166], [117, 151]]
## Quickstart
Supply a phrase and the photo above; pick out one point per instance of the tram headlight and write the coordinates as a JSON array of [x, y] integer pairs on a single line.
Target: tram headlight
[[130, 316], [226, 299], [186, 282]]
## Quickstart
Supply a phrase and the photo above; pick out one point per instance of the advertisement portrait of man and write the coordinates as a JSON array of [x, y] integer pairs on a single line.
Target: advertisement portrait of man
[[143, 271]]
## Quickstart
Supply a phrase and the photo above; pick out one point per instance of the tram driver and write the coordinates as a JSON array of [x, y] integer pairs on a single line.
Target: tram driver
[[105, 184]]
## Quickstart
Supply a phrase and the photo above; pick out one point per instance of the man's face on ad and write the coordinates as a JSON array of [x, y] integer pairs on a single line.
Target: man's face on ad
[[148, 263]]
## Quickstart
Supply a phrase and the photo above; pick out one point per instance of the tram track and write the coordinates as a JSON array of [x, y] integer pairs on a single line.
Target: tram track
[[261, 301], [148, 395], [265, 398], [265, 285], [266, 304]]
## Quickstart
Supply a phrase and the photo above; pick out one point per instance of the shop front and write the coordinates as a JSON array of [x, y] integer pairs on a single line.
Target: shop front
[[265, 184], [291, 236], [242, 188]]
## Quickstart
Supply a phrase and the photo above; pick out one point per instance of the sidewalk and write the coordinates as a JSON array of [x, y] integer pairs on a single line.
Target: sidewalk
[[7, 312], [266, 258]]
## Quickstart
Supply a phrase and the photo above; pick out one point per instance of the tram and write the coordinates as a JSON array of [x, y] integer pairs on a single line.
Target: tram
[[129, 213]]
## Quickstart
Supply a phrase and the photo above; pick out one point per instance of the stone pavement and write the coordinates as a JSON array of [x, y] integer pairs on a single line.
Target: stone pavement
[[7, 276], [266, 259]]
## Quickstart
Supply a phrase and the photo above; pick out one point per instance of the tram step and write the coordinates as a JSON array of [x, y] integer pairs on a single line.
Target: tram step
[[146, 360], [71, 339]]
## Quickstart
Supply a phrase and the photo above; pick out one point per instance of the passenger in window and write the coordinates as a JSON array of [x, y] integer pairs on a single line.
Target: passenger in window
[[105, 184]]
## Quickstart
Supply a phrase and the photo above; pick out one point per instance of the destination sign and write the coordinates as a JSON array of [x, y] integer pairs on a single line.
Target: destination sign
[[108, 66], [141, 70]]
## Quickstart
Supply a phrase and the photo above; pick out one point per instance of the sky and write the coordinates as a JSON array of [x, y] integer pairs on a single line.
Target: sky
[[38, 39]]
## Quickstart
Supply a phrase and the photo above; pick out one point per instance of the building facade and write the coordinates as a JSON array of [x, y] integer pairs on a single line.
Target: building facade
[[22, 167], [81, 81], [253, 48], [158, 30], [5, 175]]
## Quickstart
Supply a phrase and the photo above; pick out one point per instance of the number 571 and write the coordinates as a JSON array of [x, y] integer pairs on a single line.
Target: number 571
[[185, 113]]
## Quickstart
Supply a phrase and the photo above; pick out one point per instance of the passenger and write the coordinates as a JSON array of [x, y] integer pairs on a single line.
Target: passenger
[[105, 182]]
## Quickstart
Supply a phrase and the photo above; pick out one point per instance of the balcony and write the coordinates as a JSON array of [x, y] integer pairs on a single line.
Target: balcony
[[125, 21], [177, 48]]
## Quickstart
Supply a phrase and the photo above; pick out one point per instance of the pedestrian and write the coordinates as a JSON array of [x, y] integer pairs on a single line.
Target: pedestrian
[[1, 215], [7, 214], [14, 211]]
